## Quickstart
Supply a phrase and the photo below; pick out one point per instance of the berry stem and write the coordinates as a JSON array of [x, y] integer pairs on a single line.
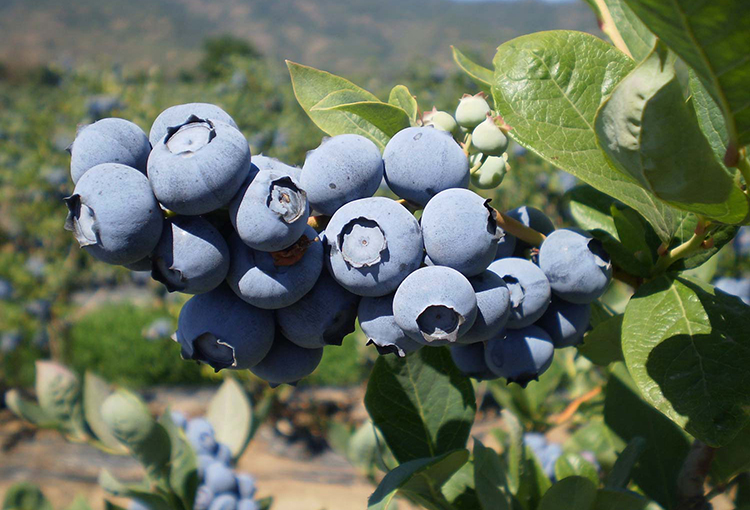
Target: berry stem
[[518, 229], [478, 164], [318, 222], [409, 205], [692, 245], [467, 144]]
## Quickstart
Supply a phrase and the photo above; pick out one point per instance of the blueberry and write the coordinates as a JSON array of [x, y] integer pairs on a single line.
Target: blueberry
[[204, 460], [248, 504], [36, 266], [470, 360], [246, 486], [532, 218], [201, 436], [191, 257], [472, 110], [506, 246], [493, 307], [435, 305], [159, 328], [6, 290], [441, 120], [342, 169], [324, 316], [576, 265], [379, 325], [287, 362], [520, 355], [374, 243], [100, 106], [108, 141], [114, 215], [741, 242], [549, 459], [536, 441], [270, 283], [272, 164], [10, 340], [224, 502], [491, 174], [203, 498], [220, 329], [270, 211], [459, 231], [530, 291], [141, 265], [220, 478], [487, 138], [178, 114], [178, 419], [420, 162], [565, 322], [198, 166], [739, 287], [223, 454]]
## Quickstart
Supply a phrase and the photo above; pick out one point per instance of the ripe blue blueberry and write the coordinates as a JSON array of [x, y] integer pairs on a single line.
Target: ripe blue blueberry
[[342, 169], [270, 211], [420, 162], [287, 362], [220, 329], [201, 436], [323, 316], [565, 322], [198, 166], [459, 231], [532, 218], [379, 325], [739, 287], [223, 454], [578, 268], [274, 165], [178, 419], [469, 358], [266, 282], [220, 478], [114, 215], [204, 460], [137, 504], [248, 504], [435, 305], [224, 502], [108, 141], [520, 355], [178, 114], [10, 341], [159, 328], [246, 486], [6, 290], [493, 307], [530, 291], [472, 110], [191, 257], [203, 498], [374, 243]]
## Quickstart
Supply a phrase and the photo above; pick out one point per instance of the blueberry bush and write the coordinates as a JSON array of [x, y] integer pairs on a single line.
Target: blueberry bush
[[397, 221]]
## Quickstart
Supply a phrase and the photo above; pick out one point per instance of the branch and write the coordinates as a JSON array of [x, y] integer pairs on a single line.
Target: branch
[[518, 229], [692, 477]]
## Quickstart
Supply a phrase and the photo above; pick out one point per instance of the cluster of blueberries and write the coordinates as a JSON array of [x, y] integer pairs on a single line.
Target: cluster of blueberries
[[270, 292], [220, 487], [548, 452]]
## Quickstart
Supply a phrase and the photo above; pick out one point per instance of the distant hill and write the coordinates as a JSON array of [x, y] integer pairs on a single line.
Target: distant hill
[[339, 35]]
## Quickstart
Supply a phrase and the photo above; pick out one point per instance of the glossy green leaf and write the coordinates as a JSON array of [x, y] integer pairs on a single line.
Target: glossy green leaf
[[25, 496], [28, 410], [419, 479], [572, 464], [624, 28], [603, 344], [710, 117], [691, 350], [732, 459], [712, 38], [572, 493], [183, 463], [95, 391], [628, 416], [591, 209], [421, 403], [489, 479], [621, 473], [312, 87], [514, 456], [534, 482], [619, 499], [548, 87], [482, 76], [230, 413], [459, 489], [401, 96], [388, 118]]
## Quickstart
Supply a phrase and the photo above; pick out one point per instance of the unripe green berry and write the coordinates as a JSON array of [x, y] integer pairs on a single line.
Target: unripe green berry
[[443, 121], [471, 111], [488, 138], [491, 173]]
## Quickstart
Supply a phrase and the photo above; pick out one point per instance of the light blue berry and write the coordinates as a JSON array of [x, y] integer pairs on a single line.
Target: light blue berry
[[530, 291], [379, 325]]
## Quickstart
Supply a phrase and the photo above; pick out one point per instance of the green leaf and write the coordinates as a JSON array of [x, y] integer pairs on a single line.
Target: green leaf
[[603, 344], [79, 503], [108, 505], [534, 482], [459, 489], [628, 416], [572, 493], [25, 496], [712, 38], [367, 448], [183, 463], [95, 391], [710, 116], [572, 464], [514, 457], [691, 350], [419, 479], [59, 393], [548, 87], [617, 499], [490, 479], [732, 459], [624, 28], [646, 122], [421, 403], [721, 236], [401, 97], [109, 483], [619, 477], [265, 503], [591, 209], [28, 410], [389, 119], [312, 86], [596, 437], [634, 236], [230, 413], [482, 76]]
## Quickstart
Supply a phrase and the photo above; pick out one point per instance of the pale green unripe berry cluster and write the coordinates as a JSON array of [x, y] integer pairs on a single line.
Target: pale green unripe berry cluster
[[471, 111], [488, 139]]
